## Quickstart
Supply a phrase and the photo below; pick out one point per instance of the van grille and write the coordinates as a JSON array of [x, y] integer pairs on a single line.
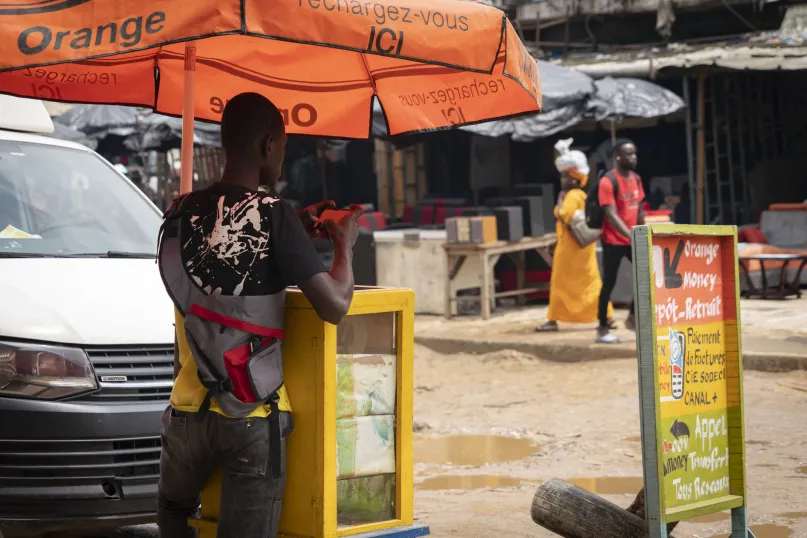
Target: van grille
[[132, 374], [26, 461]]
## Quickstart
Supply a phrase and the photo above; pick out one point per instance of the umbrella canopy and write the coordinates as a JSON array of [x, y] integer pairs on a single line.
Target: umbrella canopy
[[565, 95], [63, 132], [562, 86], [431, 63], [136, 129], [92, 119], [572, 99], [162, 133], [620, 98]]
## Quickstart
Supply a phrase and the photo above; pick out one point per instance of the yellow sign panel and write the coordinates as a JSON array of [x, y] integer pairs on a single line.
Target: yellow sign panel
[[689, 352]]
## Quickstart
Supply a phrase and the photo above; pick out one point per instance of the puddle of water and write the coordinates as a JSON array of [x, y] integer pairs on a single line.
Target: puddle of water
[[765, 531], [794, 515], [710, 518], [802, 469], [475, 450], [610, 485], [469, 482]]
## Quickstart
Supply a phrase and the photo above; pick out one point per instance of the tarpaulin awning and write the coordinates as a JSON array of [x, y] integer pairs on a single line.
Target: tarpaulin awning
[[139, 129]]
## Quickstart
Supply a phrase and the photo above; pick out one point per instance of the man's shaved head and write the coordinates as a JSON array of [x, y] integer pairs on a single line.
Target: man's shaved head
[[253, 131], [247, 120]]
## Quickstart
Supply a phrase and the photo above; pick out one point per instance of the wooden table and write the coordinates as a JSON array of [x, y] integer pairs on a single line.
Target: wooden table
[[488, 255], [784, 289]]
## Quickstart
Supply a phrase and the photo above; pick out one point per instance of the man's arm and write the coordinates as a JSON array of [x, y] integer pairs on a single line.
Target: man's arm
[[640, 217], [617, 223], [331, 293]]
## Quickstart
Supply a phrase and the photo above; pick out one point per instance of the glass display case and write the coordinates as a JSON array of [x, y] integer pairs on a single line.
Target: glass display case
[[349, 460]]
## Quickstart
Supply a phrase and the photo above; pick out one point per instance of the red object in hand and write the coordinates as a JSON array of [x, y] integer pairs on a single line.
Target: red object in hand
[[329, 214]]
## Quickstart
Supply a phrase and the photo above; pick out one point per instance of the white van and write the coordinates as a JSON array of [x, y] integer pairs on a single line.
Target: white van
[[86, 336]]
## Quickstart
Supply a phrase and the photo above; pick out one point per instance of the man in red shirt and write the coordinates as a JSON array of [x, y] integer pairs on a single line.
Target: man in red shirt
[[623, 211]]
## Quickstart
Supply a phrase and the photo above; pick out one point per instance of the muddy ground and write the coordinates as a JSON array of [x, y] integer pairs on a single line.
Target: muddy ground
[[577, 421]]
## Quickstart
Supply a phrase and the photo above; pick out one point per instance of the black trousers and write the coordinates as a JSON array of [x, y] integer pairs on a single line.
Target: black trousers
[[192, 450], [611, 258]]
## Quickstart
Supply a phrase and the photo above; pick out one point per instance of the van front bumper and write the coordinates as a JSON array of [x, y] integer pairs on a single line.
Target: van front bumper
[[74, 465]]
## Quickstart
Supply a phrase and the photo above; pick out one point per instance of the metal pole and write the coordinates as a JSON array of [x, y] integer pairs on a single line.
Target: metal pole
[[690, 156], [718, 177], [701, 144], [186, 183]]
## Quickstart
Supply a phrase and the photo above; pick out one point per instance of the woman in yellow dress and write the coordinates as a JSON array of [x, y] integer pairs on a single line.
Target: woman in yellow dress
[[574, 288]]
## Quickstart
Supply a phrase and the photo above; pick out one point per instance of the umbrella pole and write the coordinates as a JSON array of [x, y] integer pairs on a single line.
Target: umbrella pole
[[613, 134], [186, 183]]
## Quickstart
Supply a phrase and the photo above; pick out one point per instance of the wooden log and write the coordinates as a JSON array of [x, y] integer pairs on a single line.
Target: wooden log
[[573, 512], [637, 507]]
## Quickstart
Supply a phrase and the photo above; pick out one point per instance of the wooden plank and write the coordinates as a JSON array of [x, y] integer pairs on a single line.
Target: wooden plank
[[503, 247], [410, 531], [647, 352], [703, 508]]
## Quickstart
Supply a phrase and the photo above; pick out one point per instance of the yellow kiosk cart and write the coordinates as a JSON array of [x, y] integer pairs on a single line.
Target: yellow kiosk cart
[[349, 460]]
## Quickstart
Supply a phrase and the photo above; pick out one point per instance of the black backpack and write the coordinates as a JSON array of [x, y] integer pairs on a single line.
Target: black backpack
[[595, 216]]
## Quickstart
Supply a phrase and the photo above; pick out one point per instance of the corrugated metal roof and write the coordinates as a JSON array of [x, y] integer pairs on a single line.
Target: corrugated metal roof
[[762, 52]]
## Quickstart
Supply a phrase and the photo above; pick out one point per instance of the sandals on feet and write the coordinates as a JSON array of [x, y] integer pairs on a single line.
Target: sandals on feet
[[547, 327]]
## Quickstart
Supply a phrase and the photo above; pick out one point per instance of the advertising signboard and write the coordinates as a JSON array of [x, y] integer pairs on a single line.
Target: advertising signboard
[[690, 373]]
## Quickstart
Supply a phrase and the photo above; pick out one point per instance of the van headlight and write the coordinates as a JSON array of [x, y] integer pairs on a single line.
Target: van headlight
[[46, 372]]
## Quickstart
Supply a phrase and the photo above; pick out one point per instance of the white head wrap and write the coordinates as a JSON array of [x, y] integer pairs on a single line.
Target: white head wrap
[[573, 162]]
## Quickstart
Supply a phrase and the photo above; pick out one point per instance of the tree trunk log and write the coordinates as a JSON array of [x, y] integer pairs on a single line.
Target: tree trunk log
[[638, 507], [573, 512]]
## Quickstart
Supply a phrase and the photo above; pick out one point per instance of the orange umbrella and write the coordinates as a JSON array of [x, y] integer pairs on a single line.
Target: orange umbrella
[[433, 64]]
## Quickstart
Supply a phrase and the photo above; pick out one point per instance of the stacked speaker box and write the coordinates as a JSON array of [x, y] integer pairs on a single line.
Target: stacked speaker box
[[477, 211], [547, 193], [532, 213], [364, 260], [509, 223], [478, 230]]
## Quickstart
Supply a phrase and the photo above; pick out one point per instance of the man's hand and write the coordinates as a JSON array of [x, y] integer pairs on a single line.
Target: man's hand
[[310, 214], [344, 232], [330, 294]]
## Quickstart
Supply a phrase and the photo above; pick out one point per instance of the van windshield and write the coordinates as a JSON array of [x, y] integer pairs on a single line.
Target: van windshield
[[57, 201]]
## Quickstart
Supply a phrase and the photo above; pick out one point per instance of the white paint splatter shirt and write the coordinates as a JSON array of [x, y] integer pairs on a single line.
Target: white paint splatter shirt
[[241, 242]]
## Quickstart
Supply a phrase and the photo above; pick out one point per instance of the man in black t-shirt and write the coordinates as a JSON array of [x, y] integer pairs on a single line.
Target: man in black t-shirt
[[238, 240]]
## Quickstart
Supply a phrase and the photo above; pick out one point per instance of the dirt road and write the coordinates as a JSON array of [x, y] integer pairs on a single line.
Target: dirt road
[[577, 421]]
